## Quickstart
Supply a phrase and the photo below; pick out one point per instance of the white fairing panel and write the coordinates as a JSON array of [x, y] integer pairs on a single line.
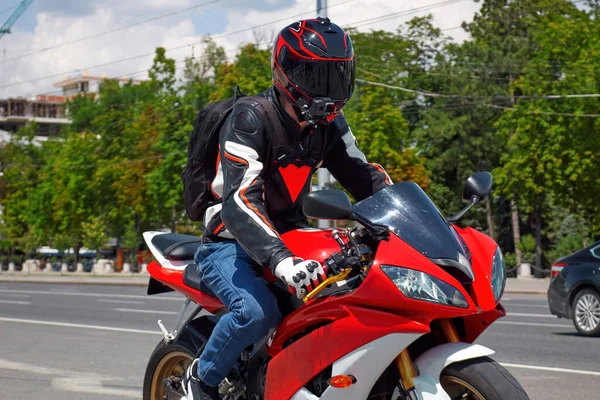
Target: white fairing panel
[[177, 265], [304, 394], [431, 364], [366, 364]]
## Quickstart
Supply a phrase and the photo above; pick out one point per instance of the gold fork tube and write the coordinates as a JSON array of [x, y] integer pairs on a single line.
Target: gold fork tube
[[449, 331], [407, 370]]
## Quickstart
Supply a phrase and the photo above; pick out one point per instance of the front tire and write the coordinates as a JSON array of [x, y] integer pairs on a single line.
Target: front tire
[[586, 312], [476, 379], [481, 379], [166, 362]]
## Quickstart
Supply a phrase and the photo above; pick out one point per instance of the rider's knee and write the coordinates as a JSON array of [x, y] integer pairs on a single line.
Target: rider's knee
[[255, 318]]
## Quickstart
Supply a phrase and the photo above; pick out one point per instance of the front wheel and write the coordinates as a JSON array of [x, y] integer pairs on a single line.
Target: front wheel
[[476, 379]]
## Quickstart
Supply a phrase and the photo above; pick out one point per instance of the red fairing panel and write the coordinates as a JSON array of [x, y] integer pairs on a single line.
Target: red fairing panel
[[174, 279], [482, 311], [292, 368], [311, 244], [482, 249], [379, 291]]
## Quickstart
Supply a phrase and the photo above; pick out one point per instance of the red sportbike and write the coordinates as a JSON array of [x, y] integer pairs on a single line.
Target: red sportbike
[[409, 293]]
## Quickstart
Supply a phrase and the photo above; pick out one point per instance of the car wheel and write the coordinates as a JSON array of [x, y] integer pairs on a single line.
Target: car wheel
[[586, 312]]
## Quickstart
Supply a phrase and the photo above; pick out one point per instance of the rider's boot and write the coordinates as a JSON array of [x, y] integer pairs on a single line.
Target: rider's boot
[[194, 388]]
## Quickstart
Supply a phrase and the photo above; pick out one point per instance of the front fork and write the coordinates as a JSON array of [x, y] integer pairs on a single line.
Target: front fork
[[407, 368]]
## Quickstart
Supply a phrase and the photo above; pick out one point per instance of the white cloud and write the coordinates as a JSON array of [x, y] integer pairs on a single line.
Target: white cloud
[[54, 28]]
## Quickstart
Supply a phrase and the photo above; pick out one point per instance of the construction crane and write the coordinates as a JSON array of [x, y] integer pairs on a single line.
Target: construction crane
[[14, 17]]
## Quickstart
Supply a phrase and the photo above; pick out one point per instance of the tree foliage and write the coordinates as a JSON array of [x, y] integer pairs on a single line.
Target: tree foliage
[[428, 109]]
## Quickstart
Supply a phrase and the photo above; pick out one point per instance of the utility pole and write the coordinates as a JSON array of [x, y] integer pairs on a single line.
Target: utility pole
[[323, 178]]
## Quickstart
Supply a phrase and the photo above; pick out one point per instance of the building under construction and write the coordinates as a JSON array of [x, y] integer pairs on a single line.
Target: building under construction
[[48, 112]]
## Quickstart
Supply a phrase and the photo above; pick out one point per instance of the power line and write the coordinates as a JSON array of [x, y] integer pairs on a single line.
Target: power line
[[544, 112], [432, 94], [368, 21], [130, 75], [9, 8], [402, 13], [173, 48], [113, 30]]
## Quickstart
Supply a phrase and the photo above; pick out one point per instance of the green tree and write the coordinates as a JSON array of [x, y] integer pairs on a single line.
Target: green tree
[[20, 162], [251, 71], [551, 151]]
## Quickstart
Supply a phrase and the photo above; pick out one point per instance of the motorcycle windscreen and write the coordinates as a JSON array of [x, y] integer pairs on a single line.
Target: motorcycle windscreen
[[412, 216]]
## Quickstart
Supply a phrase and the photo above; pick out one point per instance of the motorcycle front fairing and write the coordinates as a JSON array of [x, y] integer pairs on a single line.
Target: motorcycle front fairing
[[358, 324], [377, 312]]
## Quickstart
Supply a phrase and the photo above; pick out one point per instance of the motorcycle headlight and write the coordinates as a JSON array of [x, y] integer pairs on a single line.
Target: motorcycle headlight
[[421, 286], [498, 278]]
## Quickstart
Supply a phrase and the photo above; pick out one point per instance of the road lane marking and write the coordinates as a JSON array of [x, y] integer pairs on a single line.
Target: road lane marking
[[133, 310], [93, 386], [82, 326], [528, 305], [73, 381], [532, 324], [17, 296], [512, 314], [119, 301], [551, 369], [110, 295], [15, 302]]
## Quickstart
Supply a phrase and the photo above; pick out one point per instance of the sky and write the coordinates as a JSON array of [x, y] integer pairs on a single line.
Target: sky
[[39, 51]]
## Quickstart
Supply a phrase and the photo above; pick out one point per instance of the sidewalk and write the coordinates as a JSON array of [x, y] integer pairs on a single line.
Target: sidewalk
[[513, 285], [527, 286]]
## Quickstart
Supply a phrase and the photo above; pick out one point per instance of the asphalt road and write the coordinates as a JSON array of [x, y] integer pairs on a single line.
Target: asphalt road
[[73, 342]]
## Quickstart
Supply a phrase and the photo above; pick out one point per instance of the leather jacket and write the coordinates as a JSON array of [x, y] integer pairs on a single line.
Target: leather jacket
[[262, 191]]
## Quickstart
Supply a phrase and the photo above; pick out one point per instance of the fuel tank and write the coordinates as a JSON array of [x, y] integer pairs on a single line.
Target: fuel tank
[[311, 243]]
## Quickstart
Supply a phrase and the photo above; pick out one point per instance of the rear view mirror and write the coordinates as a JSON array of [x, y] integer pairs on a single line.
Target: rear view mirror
[[477, 188], [327, 204], [478, 185]]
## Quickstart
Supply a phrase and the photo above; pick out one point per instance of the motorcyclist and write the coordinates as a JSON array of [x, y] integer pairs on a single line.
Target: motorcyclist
[[262, 190]]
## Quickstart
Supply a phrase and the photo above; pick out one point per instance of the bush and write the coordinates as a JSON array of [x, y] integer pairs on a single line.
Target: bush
[[510, 260], [565, 246], [528, 248]]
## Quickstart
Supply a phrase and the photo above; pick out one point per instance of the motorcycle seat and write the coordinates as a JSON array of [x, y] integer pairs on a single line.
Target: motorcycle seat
[[191, 277], [177, 247]]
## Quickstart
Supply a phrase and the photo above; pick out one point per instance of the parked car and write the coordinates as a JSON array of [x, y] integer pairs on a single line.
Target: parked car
[[575, 289]]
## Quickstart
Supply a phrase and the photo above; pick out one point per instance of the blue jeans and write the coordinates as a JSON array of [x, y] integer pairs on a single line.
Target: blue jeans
[[230, 273]]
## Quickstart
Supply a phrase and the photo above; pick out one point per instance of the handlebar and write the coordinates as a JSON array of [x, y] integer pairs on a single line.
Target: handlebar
[[352, 257]]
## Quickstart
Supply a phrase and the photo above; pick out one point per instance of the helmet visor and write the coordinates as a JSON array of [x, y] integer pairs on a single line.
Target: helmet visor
[[320, 78]]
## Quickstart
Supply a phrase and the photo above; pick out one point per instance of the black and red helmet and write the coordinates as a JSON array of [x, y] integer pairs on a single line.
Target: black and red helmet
[[313, 65]]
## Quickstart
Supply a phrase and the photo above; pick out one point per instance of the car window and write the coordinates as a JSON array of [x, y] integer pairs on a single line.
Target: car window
[[596, 251]]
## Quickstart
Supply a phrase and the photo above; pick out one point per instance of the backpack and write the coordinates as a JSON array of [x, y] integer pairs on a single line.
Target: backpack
[[203, 148]]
